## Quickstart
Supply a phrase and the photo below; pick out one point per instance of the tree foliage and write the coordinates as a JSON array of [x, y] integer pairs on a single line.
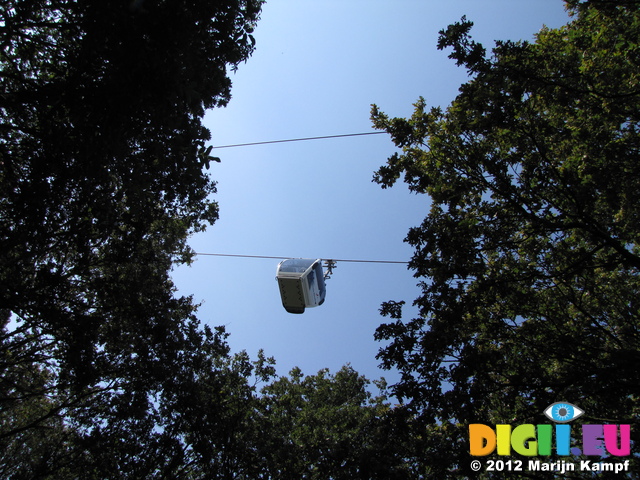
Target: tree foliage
[[102, 158], [529, 255], [329, 426]]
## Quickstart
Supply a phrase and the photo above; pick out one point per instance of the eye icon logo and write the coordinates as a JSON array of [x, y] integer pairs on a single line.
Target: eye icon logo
[[562, 412]]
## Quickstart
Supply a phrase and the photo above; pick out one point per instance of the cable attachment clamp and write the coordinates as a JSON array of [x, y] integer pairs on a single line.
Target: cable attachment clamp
[[329, 265]]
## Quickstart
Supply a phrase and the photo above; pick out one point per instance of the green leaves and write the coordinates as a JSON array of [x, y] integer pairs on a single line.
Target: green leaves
[[465, 51], [530, 172], [329, 426], [102, 150]]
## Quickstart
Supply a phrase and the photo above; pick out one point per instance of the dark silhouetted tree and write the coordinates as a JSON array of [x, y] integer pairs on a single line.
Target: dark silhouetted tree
[[102, 179], [330, 426], [529, 256]]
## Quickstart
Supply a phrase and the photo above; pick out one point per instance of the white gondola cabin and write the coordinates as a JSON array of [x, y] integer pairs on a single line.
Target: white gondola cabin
[[301, 283]]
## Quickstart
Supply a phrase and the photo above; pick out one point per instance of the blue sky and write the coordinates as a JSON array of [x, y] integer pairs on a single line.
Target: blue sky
[[317, 68]]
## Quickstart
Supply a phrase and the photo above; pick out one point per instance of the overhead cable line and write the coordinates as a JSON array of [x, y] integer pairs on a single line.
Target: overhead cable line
[[298, 139], [287, 258]]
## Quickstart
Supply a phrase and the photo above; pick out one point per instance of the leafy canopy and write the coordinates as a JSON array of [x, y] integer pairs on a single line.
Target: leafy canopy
[[529, 254], [329, 426], [102, 180]]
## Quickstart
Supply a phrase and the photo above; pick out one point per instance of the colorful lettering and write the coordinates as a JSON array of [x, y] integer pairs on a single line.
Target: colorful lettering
[[544, 439], [523, 440], [529, 440], [563, 439], [611, 439], [503, 432], [592, 440], [482, 439]]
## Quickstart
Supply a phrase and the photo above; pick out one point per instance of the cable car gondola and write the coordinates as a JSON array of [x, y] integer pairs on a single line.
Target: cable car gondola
[[301, 283]]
